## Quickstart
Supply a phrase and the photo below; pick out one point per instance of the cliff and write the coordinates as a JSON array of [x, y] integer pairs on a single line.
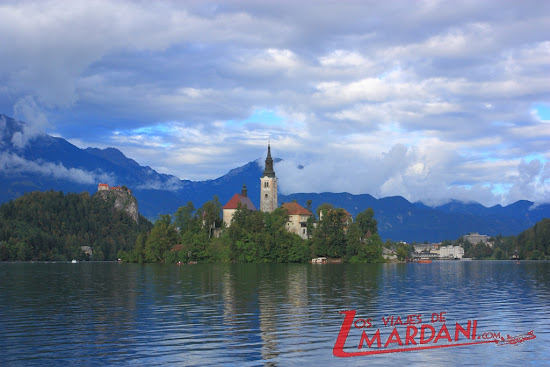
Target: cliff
[[123, 200]]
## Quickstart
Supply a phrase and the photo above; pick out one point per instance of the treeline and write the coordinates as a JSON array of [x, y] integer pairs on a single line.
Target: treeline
[[531, 244], [254, 236], [52, 226]]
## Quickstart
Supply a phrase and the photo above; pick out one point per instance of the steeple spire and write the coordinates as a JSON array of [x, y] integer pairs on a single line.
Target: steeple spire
[[268, 171]]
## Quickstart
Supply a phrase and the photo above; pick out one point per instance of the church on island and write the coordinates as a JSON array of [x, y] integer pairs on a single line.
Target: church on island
[[297, 214]]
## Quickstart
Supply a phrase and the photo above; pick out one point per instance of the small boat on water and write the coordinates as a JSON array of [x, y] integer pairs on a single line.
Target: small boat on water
[[424, 261], [319, 260], [74, 261]]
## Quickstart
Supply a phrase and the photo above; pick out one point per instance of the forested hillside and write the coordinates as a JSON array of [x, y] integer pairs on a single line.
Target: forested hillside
[[47, 226]]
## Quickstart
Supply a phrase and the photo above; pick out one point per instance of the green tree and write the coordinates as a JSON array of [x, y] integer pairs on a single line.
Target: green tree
[[162, 238], [211, 215], [185, 219]]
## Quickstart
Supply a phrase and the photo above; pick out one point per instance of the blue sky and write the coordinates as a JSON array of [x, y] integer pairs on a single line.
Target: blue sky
[[430, 100]]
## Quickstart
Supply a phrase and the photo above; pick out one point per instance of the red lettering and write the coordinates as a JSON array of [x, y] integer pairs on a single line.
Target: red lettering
[[394, 338], [369, 324], [338, 350], [422, 333], [441, 317], [364, 337], [441, 336], [386, 320], [410, 337], [460, 329], [419, 318], [398, 321]]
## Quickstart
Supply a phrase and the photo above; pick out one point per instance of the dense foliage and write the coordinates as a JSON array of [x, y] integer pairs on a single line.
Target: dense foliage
[[254, 236], [531, 244], [48, 226]]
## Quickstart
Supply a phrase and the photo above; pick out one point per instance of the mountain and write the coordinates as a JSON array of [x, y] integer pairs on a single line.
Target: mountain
[[31, 161]]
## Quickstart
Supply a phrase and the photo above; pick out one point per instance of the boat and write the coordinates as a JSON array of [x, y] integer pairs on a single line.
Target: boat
[[424, 261], [319, 260], [74, 261]]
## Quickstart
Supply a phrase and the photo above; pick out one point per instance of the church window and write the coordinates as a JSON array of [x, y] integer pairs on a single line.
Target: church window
[[266, 184]]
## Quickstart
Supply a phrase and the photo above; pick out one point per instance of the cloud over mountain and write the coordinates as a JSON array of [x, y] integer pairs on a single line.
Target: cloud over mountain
[[429, 100]]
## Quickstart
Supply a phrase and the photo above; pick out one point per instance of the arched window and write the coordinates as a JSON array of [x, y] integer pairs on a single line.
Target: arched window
[[266, 184]]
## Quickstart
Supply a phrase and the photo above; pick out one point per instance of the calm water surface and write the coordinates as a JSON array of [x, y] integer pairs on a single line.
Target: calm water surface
[[263, 314]]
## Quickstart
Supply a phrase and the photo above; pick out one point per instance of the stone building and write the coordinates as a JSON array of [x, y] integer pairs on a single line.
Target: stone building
[[268, 189]]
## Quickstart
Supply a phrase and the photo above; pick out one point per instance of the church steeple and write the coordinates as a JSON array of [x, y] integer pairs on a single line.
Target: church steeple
[[268, 171], [268, 199]]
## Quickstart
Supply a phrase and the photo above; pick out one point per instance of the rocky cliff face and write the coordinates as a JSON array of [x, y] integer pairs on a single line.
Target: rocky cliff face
[[123, 201]]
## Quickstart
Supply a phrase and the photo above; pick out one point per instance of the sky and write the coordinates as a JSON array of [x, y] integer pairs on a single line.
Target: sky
[[430, 100]]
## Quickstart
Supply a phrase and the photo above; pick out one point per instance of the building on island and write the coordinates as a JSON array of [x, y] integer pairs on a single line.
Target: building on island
[[268, 189], [238, 200], [297, 219]]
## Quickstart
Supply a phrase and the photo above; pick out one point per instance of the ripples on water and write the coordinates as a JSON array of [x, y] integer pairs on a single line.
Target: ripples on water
[[260, 314]]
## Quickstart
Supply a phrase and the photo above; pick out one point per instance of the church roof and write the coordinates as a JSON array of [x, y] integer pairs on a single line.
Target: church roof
[[233, 203], [296, 209]]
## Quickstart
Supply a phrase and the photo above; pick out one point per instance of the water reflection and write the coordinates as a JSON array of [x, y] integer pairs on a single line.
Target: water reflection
[[272, 314]]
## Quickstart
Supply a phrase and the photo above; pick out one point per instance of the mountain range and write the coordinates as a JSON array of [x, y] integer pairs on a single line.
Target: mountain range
[[35, 161]]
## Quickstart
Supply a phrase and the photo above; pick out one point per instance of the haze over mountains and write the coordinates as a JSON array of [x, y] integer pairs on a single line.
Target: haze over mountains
[[34, 161]]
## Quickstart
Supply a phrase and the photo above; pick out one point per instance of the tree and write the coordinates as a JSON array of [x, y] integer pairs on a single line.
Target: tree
[[366, 222], [211, 215], [162, 238], [184, 218], [324, 208], [329, 238], [363, 242]]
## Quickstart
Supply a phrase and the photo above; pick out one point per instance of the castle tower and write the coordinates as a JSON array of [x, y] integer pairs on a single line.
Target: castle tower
[[268, 190]]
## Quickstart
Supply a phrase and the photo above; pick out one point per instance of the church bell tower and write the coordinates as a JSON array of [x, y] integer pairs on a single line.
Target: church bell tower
[[268, 190]]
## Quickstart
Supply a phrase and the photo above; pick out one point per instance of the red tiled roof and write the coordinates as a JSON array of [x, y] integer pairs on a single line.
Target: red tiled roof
[[103, 185], [296, 209], [238, 198]]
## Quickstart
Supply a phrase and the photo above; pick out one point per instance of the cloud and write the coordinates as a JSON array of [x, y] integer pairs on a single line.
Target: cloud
[[427, 100], [12, 164], [35, 124]]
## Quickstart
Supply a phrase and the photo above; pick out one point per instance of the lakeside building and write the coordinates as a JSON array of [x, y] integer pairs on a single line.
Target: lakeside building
[[426, 247], [389, 254], [451, 252], [233, 204], [297, 219]]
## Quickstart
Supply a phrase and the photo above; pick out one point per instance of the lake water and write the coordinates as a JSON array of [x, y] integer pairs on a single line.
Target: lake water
[[268, 314]]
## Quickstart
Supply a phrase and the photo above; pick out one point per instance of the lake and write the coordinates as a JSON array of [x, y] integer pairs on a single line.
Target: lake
[[274, 314]]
